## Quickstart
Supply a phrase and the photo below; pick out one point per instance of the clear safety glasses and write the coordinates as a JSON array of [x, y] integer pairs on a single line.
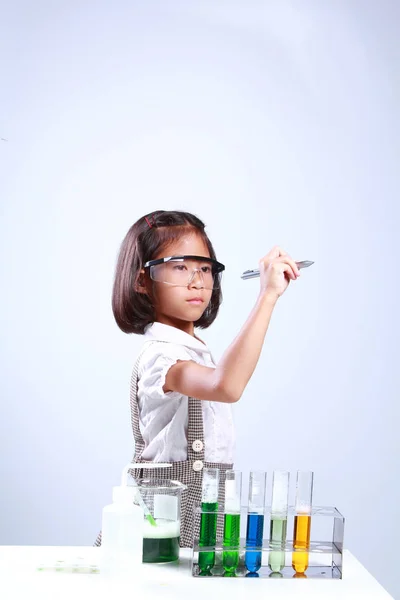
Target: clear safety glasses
[[183, 271]]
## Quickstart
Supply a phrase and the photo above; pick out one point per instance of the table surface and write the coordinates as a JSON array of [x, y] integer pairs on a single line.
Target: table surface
[[20, 577]]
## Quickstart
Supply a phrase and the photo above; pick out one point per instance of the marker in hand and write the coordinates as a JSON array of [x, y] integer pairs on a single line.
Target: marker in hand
[[303, 264]]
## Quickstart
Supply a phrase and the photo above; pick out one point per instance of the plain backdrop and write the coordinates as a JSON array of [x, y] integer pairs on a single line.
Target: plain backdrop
[[276, 122]]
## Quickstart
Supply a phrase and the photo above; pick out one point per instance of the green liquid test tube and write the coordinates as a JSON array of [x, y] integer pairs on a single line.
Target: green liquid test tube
[[233, 492], [208, 520], [278, 525]]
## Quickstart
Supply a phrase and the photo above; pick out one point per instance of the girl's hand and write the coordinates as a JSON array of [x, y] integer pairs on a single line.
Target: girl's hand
[[277, 268]]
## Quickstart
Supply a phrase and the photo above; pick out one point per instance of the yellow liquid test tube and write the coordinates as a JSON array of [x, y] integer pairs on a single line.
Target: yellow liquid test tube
[[302, 521], [301, 540]]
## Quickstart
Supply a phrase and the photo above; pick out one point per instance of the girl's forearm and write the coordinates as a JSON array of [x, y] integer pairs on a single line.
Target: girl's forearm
[[238, 362]]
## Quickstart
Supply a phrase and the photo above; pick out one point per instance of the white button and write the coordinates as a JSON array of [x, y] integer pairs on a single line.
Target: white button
[[197, 465], [197, 445]]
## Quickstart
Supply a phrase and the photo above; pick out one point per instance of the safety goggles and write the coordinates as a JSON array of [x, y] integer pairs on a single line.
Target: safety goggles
[[181, 271]]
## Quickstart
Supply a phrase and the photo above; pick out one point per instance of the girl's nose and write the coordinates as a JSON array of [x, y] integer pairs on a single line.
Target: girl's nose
[[192, 281]]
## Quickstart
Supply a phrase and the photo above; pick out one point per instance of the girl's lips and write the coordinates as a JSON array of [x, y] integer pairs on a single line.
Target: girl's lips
[[195, 301]]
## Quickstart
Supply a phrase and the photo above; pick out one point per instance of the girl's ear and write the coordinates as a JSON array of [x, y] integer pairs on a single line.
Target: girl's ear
[[140, 286]]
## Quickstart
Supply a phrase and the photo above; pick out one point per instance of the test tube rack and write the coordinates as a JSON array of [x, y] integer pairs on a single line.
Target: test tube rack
[[324, 553]]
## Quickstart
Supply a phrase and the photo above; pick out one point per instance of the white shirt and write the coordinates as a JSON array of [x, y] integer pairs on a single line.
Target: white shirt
[[163, 417]]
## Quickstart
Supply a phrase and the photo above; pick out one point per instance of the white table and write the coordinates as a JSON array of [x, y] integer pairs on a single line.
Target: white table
[[20, 578]]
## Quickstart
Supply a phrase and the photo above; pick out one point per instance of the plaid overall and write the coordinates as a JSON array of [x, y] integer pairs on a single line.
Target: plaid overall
[[188, 472]]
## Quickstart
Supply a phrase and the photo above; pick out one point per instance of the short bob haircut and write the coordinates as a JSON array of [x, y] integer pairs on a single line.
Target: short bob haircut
[[149, 236]]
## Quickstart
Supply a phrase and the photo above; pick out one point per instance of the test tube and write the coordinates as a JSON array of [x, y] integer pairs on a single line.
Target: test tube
[[255, 520], [278, 524], [208, 521], [233, 494], [302, 520]]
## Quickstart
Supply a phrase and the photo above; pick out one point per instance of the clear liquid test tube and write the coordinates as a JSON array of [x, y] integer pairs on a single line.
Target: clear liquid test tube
[[255, 520], [278, 524], [302, 520]]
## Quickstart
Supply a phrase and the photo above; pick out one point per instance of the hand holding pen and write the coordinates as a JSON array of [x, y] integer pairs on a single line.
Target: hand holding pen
[[276, 270]]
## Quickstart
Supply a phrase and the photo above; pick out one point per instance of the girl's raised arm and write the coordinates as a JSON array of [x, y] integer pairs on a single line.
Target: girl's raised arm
[[228, 380]]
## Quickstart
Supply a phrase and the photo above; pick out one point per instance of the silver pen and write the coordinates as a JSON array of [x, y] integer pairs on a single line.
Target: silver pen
[[303, 264]]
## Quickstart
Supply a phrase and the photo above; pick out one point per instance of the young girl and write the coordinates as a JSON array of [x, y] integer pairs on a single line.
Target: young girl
[[167, 283]]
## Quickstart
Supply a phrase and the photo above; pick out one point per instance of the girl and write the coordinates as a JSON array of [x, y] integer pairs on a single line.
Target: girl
[[167, 283]]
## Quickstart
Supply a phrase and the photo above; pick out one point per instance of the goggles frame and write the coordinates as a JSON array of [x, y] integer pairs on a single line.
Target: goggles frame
[[217, 267]]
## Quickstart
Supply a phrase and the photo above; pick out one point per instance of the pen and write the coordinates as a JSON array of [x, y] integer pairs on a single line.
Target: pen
[[251, 273]]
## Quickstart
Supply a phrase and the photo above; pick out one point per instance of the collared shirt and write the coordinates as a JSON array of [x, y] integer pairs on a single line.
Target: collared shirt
[[163, 417]]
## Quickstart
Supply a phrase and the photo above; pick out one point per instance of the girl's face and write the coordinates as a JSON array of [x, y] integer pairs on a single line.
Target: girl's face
[[181, 306]]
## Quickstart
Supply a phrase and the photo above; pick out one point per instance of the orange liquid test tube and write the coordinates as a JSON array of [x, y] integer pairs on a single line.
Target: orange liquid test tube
[[302, 521]]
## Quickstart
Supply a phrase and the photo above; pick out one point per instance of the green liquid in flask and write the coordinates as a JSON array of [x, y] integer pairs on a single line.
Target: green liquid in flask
[[277, 537], [208, 536], [230, 558]]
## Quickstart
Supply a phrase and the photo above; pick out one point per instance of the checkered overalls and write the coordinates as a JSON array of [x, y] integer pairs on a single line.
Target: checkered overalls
[[189, 471]]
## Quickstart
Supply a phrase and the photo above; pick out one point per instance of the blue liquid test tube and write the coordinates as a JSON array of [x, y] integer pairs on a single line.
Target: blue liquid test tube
[[255, 520]]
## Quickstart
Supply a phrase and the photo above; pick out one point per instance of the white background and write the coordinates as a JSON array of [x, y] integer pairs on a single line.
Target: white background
[[276, 122]]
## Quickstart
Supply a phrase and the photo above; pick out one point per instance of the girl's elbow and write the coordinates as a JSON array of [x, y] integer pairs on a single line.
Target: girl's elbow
[[227, 394], [234, 398]]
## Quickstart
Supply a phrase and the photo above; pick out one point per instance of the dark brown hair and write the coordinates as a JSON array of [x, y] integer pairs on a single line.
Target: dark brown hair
[[149, 236]]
